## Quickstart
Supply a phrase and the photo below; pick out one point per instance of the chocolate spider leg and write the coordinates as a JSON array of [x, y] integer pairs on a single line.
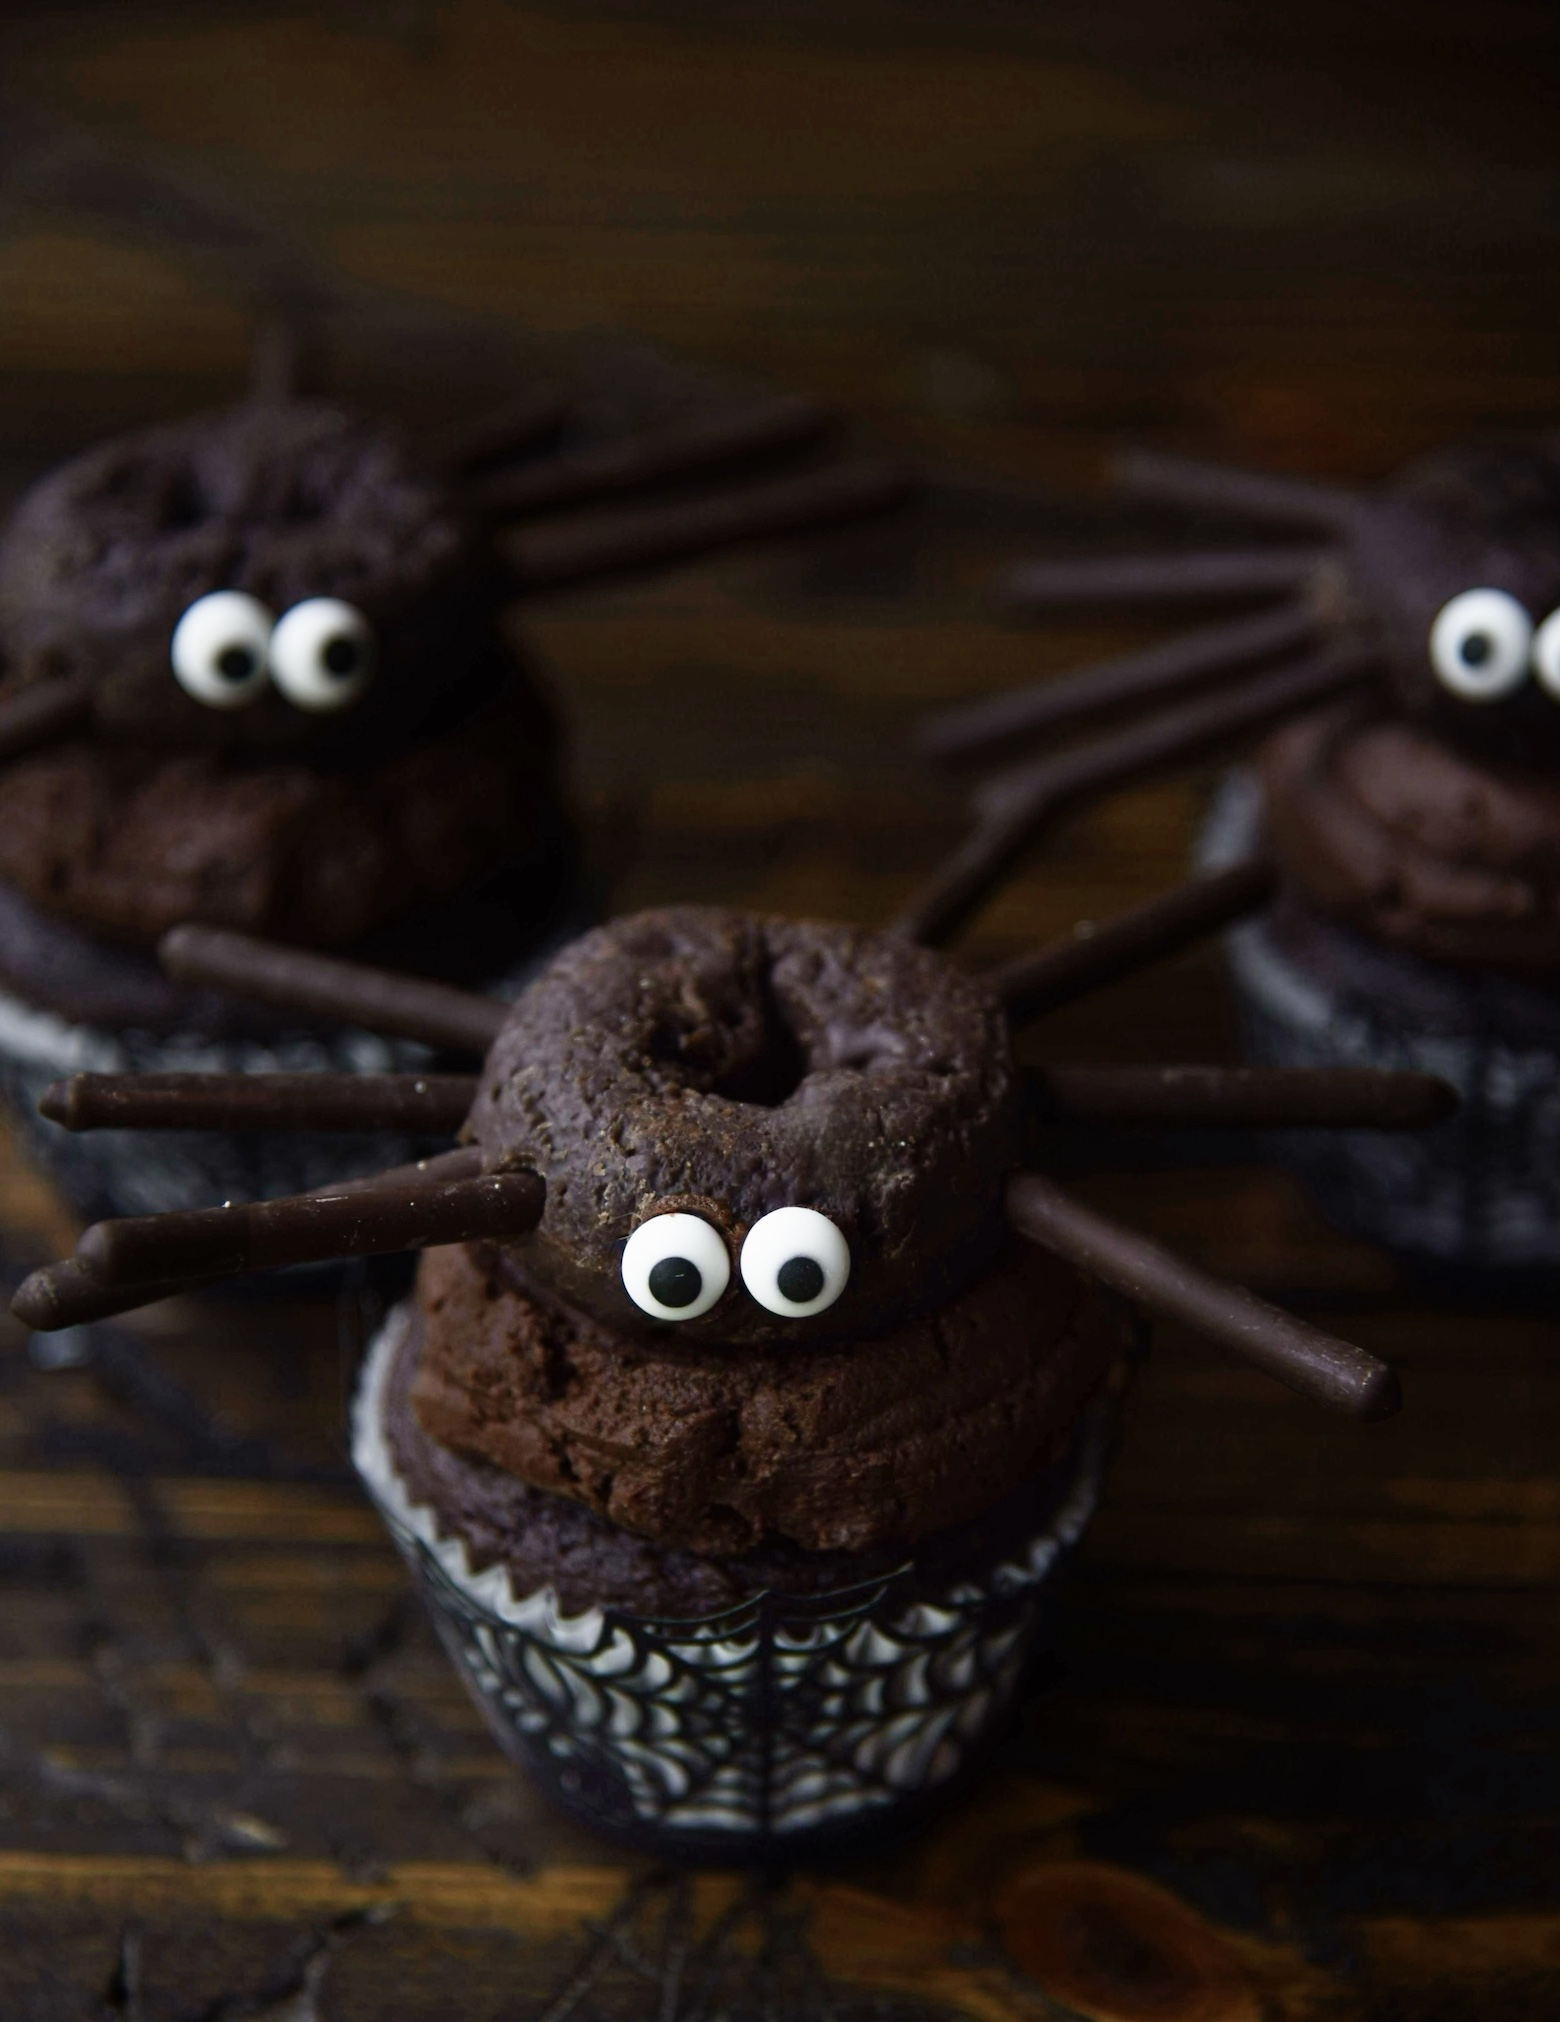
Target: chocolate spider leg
[[515, 429], [654, 456], [299, 980], [1013, 806], [133, 1262], [1192, 577], [434, 1103], [1242, 1098], [1212, 652], [44, 712], [609, 544], [1167, 479], [1089, 960], [1329, 1371]]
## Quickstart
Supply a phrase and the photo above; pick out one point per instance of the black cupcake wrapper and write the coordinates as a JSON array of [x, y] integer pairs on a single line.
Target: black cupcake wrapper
[[759, 1731], [1476, 1196]]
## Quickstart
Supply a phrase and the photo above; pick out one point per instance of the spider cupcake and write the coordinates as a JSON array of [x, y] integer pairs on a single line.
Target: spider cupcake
[[1410, 810], [756, 1383], [253, 672]]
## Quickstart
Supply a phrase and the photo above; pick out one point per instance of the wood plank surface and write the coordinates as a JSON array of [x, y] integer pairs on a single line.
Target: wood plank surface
[[1295, 1753]]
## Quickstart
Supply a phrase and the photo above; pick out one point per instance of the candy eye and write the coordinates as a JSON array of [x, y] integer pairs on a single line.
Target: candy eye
[[322, 654], [1546, 654], [675, 1267], [1479, 645], [219, 647], [795, 1262]]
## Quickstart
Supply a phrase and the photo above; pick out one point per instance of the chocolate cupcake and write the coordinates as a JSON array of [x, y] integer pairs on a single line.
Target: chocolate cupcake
[[1410, 812], [735, 1487], [754, 1391], [263, 649]]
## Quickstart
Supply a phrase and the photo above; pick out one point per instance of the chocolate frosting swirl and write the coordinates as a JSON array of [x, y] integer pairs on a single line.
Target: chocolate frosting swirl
[[835, 1448], [1378, 823]]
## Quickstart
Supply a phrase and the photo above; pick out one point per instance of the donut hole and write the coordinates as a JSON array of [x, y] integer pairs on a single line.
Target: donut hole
[[181, 503], [744, 1050]]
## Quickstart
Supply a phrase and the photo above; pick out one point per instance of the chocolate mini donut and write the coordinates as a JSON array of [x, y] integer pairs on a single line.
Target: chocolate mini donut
[[280, 502], [1455, 571], [745, 1073]]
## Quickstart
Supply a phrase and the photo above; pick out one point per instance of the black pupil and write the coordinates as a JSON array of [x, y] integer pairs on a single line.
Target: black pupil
[[1477, 648], [341, 657], [676, 1281], [800, 1280], [236, 663]]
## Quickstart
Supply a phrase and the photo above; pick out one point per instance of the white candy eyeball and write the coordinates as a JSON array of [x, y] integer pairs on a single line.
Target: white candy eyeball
[[1479, 645], [219, 649], [322, 654], [795, 1262], [1546, 654], [675, 1267]]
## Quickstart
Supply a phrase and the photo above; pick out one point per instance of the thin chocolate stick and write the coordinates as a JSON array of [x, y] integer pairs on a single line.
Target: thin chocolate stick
[[1084, 961], [362, 1221], [44, 712], [71, 1294], [1244, 1098], [682, 449], [463, 446], [611, 544], [436, 1103], [1013, 806], [1133, 677], [1162, 579], [1247, 494], [299, 980], [68, 1294], [1318, 1365]]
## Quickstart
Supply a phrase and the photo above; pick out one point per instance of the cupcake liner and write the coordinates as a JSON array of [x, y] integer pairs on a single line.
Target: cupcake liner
[[754, 1732], [104, 1173], [1475, 1196]]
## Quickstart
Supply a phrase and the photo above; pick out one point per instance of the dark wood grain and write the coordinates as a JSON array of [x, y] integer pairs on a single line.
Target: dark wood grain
[[1294, 1757]]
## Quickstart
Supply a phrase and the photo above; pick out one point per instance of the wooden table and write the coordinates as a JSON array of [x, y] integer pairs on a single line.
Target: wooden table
[[1295, 1754]]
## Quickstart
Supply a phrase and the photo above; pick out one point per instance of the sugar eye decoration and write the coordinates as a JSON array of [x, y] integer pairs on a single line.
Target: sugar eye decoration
[[675, 1267], [1546, 655], [1479, 645], [795, 1262], [322, 654], [219, 650]]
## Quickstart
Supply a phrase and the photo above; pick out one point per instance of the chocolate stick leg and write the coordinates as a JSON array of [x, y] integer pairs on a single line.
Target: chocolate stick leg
[[71, 1294], [1243, 1098], [1013, 806], [1085, 961], [44, 712], [464, 446], [1253, 495], [611, 544], [683, 449], [298, 980], [435, 1103], [1162, 579], [1319, 1366], [311, 1228], [1201, 655]]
